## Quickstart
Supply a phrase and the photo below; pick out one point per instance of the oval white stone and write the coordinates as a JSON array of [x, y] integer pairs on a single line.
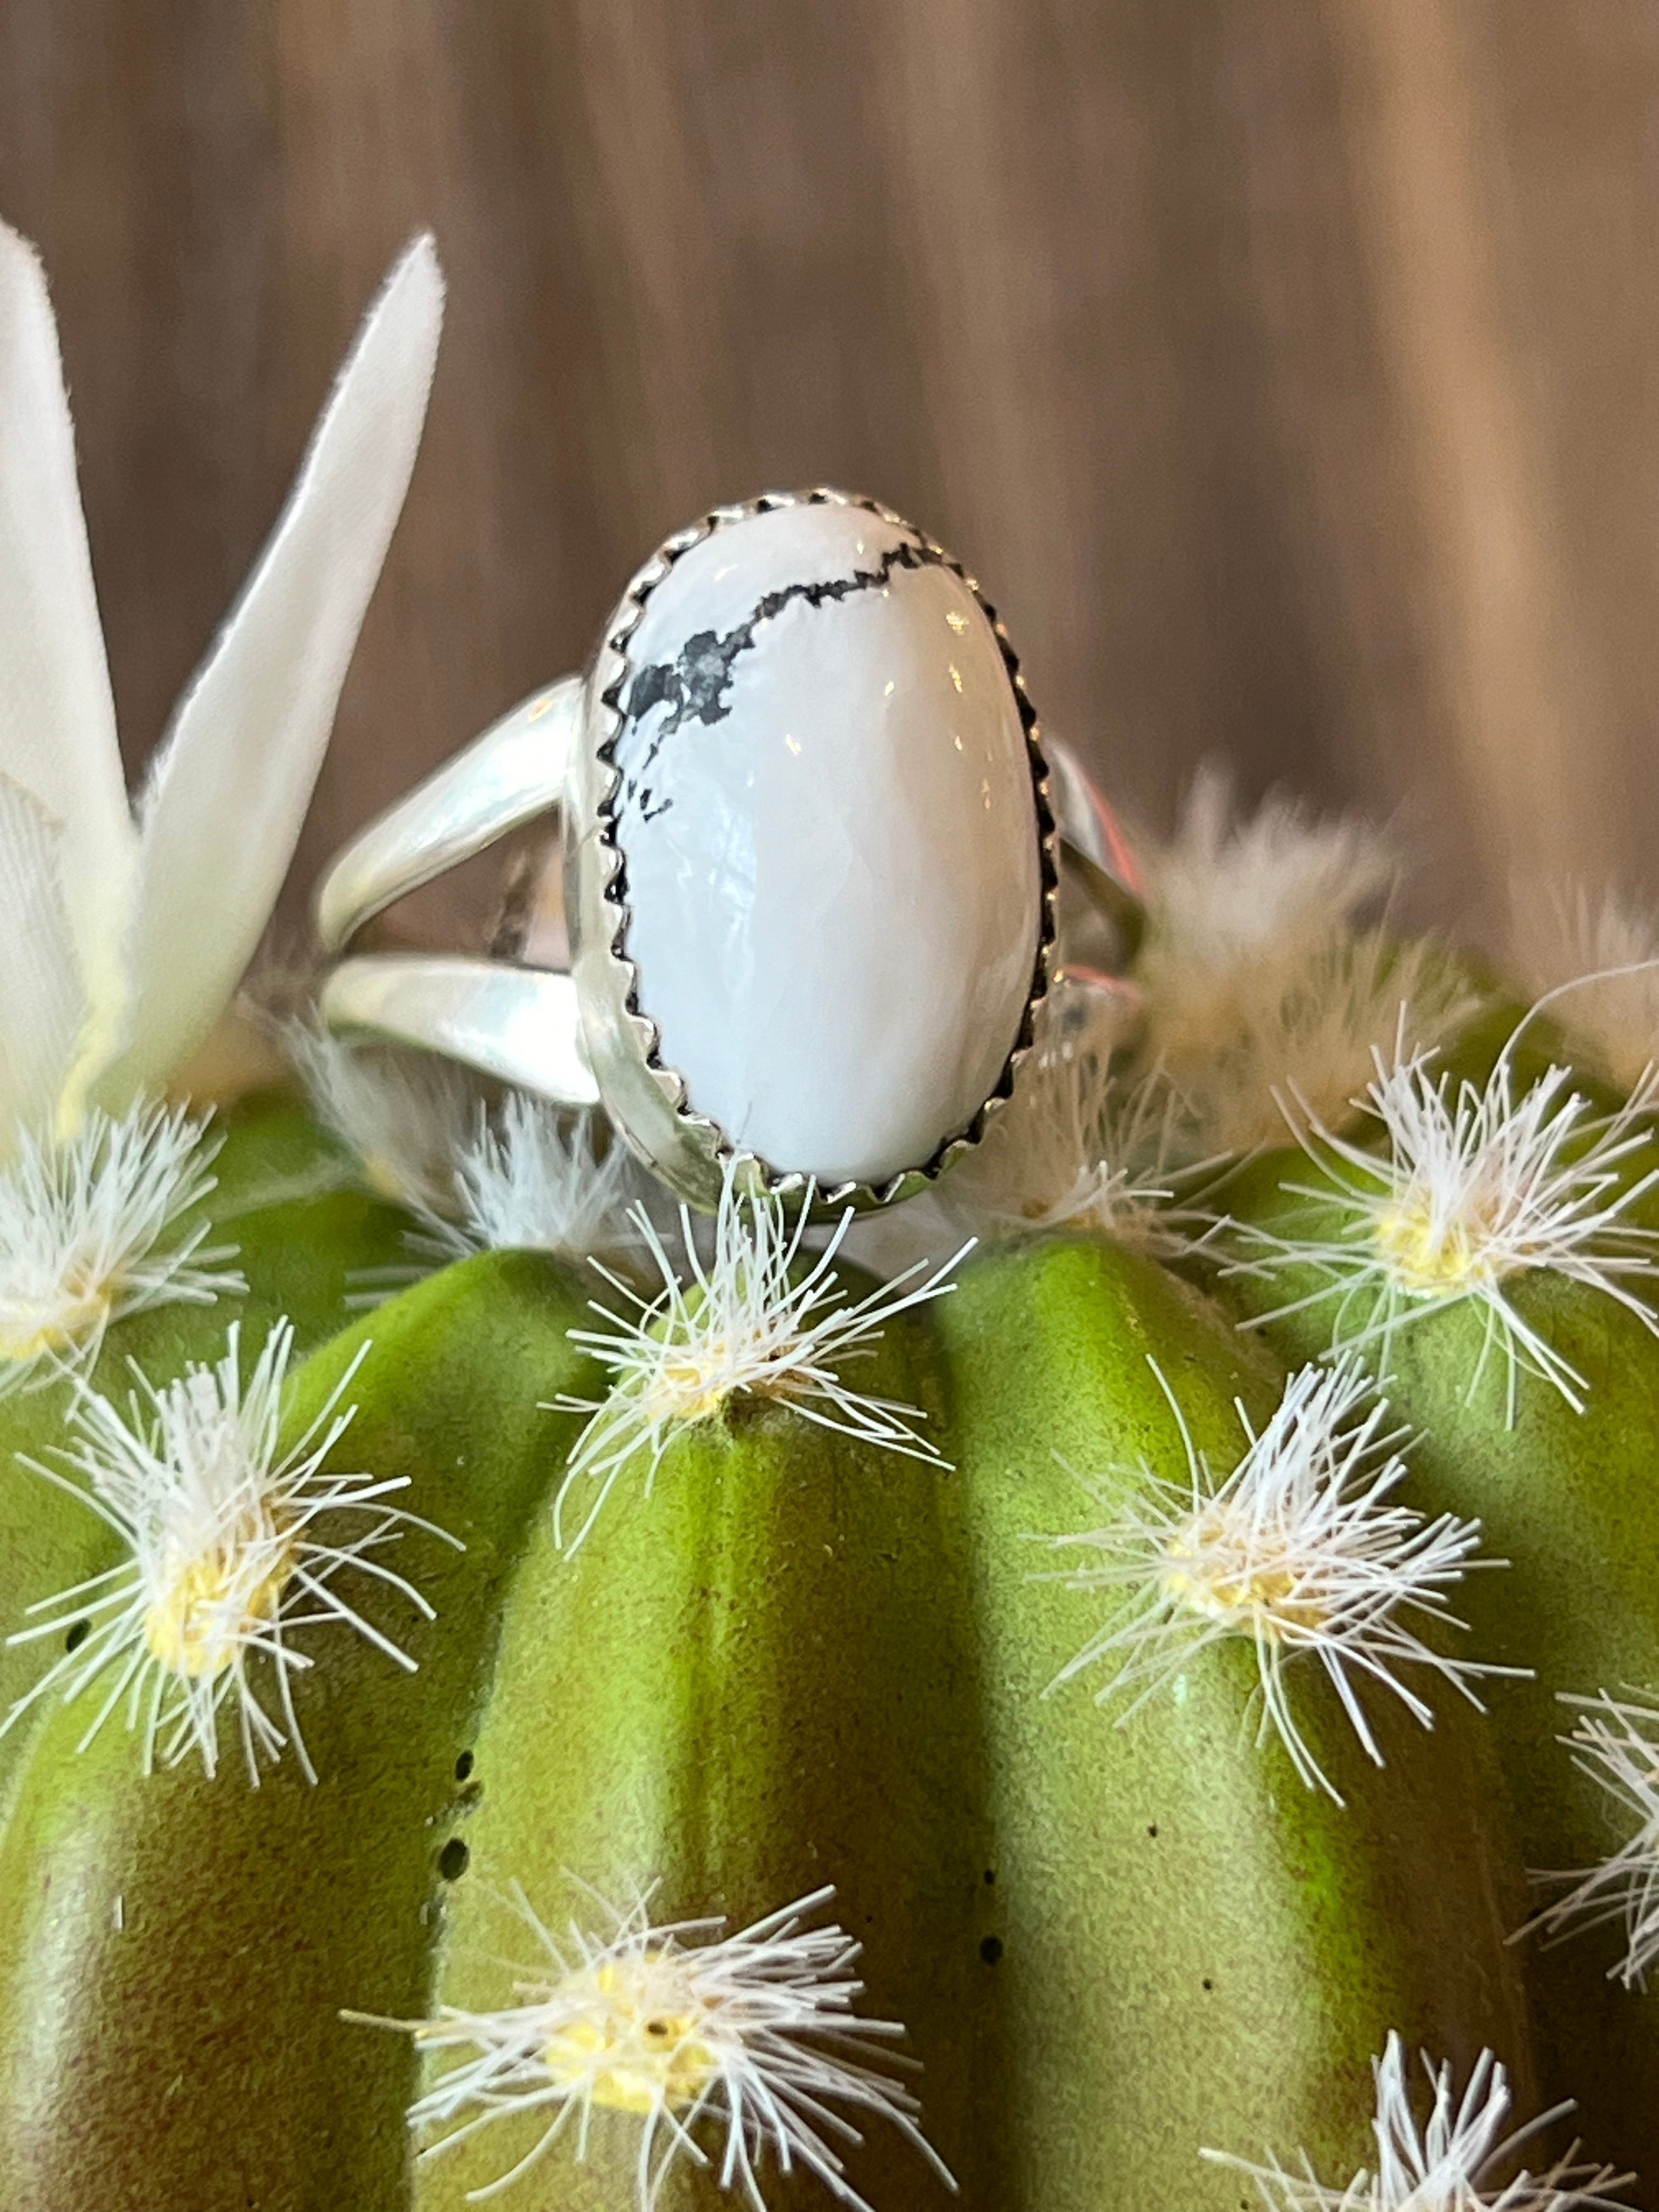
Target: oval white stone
[[827, 818]]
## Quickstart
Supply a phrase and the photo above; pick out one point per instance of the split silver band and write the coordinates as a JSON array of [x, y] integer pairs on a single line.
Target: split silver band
[[522, 1024], [583, 1038], [518, 768]]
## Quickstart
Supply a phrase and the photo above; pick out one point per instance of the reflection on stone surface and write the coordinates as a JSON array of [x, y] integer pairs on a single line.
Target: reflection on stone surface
[[831, 840]]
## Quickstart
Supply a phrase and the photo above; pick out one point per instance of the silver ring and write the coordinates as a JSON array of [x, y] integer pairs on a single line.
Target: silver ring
[[810, 865]]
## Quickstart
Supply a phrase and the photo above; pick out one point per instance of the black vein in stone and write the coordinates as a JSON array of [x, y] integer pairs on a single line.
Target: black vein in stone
[[694, 686]]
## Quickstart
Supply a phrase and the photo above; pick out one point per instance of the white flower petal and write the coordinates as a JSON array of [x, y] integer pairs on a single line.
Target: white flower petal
[[41, 1002], [225, 800], [57, 715]]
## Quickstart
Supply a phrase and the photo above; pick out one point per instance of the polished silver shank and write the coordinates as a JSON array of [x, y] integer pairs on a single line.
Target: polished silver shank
[[519, 1024], [516, 770]]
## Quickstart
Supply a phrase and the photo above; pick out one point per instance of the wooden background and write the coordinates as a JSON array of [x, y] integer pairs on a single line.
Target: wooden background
[[1283, 367]]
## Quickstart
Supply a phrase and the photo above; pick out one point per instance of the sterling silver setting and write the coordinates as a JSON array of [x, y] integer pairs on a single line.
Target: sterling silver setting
[[586, 1036]]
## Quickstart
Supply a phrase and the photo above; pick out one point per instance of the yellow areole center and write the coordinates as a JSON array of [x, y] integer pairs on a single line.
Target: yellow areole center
[[634, 2045], [1430, 1257], [1208, 1575], [385, 1178], [698, 1386], [213, 1607], [79, 1308]]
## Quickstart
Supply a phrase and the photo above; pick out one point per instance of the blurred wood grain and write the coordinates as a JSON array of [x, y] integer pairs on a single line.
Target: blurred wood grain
[[1283, 367]]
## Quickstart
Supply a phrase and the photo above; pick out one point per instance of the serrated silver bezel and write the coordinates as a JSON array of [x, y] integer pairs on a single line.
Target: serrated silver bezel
[[647, 1097]]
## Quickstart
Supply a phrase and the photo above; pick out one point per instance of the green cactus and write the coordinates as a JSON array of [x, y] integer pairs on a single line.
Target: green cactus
[[733, 1727], [292, 1234], [1500, 1281], [782, 1658], [200, 1937]]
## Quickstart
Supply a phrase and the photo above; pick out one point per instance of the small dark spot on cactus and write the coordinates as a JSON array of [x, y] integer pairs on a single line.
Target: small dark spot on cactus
[[990, 1875], [1208, 1984], [1151, 1828], [78, 1632], [464, 1766], [451, 1860], [991, 1949]]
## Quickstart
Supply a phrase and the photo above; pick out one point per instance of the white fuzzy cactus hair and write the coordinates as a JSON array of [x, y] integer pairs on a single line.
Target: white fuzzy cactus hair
[[403, 1118], [1302, 1550], [534, 1177], [1082, 1145], [98, 1226], [1225, 889], [1461, 2157], [753, 2034], [1268, 965], [1596, 959], [229, 1541], [1475, 1187], [761, 1317], [1614, 1745]]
